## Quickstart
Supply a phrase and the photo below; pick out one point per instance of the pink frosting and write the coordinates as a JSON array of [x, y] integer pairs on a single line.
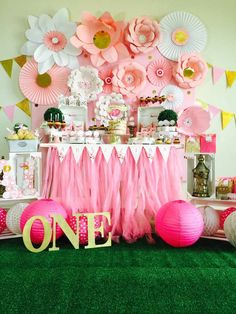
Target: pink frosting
[[142, 34], [190, 62], [86, 32], [129, 78]]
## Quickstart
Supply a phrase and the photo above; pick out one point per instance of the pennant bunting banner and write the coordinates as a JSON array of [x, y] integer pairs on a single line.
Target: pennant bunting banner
[[136, 151], [7, 65], [165, 151], [107, 151], [150, 151], [121, 151], [213, 110], [77, 151], [226, 118], [230, 77], [24, 105], [217, 73], [62, 151], [92, 151], [21, 60], [9, 111]]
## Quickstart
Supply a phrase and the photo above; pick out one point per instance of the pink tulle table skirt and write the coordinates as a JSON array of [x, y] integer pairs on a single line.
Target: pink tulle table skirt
[[131, 191]]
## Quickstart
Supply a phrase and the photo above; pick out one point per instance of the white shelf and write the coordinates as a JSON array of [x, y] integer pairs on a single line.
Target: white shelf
[[7, 203]]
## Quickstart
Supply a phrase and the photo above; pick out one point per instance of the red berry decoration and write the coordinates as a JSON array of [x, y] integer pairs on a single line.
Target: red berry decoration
[[83, 228], [3, 216], [225, 214]]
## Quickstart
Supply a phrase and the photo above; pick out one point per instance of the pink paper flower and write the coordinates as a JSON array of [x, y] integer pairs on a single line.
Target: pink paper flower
[[190, 71], [194, 120], [159, 72], [43, 89], [129, 78], [101, 38], [106, 75], [142, 34]]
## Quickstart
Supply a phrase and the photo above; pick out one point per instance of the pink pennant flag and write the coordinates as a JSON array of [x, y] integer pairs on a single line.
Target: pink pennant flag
[[217, 73], [9, 111], [213, 110]]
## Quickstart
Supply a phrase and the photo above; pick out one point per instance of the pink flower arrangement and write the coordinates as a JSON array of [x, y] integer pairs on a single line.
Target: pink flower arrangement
[[129, 78], [142, 34], [190, 71], [101, 38]]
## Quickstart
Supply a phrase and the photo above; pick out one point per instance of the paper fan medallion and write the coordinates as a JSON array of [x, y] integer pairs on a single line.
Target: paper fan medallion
[[174, 97], [182, 33], [159, 72], [194, 120], [43, 89]]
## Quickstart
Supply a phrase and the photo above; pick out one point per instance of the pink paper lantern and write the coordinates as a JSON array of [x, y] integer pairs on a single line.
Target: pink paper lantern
[[224, 214], [83, 228], [3, 215], [44, 207], [179, 223]]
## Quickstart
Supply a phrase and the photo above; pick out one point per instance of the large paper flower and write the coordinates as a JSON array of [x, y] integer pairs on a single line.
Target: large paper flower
[[182, 33], [101, 38], [106, 75], [49, 41], [159, 72], [190, 71], [174, 97], [85, 83], [142, 34], [194, 120], [43, 89], [129, 78]]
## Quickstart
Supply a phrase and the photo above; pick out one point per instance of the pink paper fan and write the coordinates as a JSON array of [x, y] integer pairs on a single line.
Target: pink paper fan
[[43, 90], [194, 120], [159, 72]]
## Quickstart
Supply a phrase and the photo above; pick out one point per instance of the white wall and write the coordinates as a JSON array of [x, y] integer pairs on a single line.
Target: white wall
[[218, 16]]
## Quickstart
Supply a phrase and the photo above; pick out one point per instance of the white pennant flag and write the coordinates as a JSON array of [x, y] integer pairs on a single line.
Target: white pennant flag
[[121, 151], [92, 150], [150, 150], [77, 151], [62, 150], [107, 151], [165, 150], [136, 151]]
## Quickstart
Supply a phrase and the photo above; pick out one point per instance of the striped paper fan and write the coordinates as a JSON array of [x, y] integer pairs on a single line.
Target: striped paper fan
[[43, 89], [174, 97], [159, 72], [182, 33]]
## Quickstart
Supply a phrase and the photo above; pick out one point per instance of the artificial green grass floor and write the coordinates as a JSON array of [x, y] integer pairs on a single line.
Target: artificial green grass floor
[[126, 278]]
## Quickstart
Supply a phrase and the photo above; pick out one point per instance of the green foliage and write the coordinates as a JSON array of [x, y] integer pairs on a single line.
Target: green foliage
[[168, 115], [53, 114], [18, 126]]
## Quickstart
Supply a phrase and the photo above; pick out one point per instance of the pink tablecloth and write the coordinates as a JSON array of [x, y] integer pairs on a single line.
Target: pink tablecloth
[[132, 191]]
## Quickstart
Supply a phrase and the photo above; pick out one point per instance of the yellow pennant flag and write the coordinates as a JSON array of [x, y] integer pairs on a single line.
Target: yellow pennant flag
[[230, 77], [21, 60], [7, 65], [226, 118], [24, 106]]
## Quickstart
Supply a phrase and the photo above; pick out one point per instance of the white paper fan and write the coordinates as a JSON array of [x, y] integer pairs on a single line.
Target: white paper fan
[[175, 97], [182, 33]]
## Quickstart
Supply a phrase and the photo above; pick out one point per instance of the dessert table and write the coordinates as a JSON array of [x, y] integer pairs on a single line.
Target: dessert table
[[129, 181]]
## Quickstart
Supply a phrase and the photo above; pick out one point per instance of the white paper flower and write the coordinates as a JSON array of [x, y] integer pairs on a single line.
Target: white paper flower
[[49, 41], [102, 111], [85, 83]]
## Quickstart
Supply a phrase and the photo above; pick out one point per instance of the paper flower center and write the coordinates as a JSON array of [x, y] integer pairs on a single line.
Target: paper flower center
[[108, 80], [189, 72], [142, 39], [43, 80], [129, 79], [55, 41], [188, 122], [85, 84], [102, 40], [159, 72], [180, 37]]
